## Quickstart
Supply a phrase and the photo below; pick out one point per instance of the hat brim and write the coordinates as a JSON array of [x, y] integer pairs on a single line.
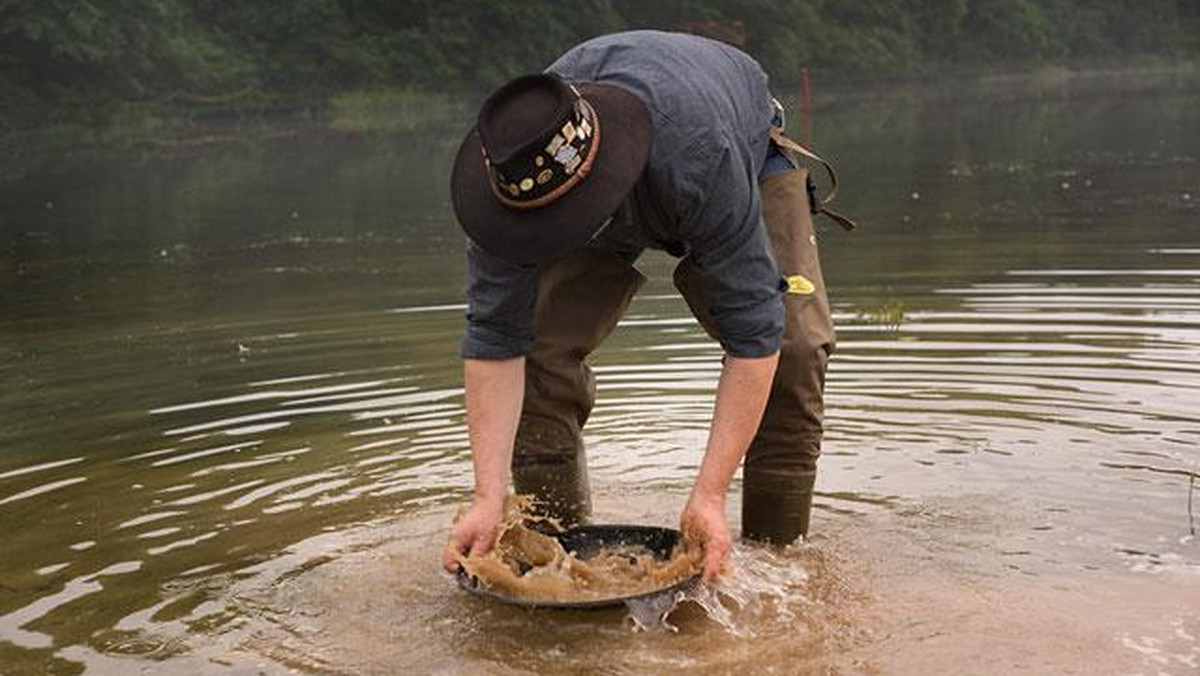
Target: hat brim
[[526, 237]]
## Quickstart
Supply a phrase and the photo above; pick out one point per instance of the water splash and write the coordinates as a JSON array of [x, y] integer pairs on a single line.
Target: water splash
[[765, 586], [650, 614]]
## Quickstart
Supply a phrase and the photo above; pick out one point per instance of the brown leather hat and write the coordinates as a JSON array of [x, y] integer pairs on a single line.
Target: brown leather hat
[[546, 165]]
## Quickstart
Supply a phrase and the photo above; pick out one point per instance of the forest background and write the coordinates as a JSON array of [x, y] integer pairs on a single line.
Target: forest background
[[85, 60]]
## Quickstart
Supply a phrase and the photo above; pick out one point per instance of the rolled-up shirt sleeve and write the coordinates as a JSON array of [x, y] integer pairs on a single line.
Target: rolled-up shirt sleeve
[[500, 301], [731, 255]]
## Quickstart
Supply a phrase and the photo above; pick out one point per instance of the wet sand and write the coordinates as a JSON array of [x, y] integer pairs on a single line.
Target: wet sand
[[532, 566]]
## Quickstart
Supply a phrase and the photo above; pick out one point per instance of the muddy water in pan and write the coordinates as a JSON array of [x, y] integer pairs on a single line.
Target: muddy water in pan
[[231, 434]]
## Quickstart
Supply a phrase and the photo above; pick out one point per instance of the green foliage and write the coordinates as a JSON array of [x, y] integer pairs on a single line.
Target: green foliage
[[91, 55], [52, 46]]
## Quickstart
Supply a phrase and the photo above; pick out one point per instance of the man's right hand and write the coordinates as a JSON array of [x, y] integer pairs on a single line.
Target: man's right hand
[[474, 532], [494, 391]]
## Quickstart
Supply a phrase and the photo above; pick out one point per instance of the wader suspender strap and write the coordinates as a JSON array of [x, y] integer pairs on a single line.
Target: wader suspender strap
[[818, 207]]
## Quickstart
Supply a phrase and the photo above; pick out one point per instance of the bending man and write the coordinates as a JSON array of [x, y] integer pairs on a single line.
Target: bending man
[[633, 141]]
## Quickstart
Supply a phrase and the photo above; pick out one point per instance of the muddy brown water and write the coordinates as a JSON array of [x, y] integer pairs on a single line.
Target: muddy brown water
[[231, 429]]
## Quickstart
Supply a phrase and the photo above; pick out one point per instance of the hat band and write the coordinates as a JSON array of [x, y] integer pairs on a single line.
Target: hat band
[[575, 172]]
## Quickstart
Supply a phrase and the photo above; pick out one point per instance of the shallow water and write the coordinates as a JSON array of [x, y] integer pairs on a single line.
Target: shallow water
[[231, 435]]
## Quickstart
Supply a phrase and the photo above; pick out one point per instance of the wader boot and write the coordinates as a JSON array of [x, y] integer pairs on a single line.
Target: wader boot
[[776, 505], [580, 299], [549, 463], [781, 464]]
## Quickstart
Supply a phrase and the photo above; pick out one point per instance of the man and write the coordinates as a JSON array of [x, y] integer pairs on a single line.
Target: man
[[632, 141]]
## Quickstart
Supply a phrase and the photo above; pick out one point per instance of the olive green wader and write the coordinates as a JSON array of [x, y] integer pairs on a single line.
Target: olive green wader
[[581, 298]]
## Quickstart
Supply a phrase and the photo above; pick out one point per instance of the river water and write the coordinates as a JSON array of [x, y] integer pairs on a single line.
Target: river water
[[231, 427]]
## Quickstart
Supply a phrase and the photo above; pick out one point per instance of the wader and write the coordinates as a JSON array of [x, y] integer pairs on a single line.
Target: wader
[[581, 298]]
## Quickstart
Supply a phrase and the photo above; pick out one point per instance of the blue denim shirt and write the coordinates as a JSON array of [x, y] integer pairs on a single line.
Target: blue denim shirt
[[711, 112]]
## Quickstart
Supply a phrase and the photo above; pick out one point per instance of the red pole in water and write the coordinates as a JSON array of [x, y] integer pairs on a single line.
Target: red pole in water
[[805, 106]]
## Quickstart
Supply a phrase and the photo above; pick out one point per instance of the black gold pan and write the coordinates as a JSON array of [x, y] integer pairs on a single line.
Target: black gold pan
[[584, 542]]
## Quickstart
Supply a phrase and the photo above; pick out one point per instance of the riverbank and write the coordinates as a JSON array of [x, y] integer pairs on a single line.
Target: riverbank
[[247, 115], [253, 115], [953, 85]]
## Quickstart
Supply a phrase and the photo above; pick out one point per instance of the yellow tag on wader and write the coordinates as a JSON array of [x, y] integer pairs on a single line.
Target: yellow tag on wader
[[799, 285]]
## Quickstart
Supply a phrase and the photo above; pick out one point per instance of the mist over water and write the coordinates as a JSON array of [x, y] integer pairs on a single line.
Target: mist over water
[[232, 433]]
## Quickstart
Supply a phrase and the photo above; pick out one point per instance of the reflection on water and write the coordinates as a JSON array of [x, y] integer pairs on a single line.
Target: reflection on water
[[232, 430]]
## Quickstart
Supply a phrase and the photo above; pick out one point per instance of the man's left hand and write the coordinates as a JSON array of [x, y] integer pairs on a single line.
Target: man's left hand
[[703, 524]]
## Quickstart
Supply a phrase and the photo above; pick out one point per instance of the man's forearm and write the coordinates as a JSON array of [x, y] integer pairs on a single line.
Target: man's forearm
[[741, 398], [494, 391]]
